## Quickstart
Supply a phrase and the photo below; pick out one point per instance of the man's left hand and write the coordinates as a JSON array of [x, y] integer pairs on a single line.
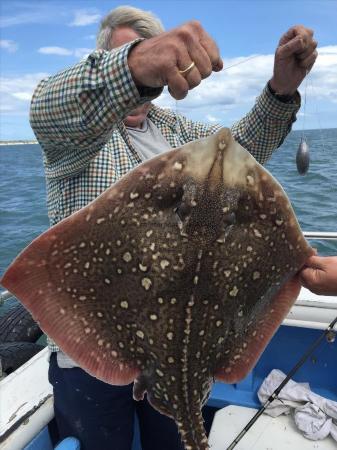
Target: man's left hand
[[294, 58], [320, 275]]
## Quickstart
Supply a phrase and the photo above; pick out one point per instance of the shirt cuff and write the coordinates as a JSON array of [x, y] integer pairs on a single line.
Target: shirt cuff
[[276, 109]]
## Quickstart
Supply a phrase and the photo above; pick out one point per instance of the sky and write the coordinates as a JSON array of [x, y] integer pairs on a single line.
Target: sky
[[40, 38]]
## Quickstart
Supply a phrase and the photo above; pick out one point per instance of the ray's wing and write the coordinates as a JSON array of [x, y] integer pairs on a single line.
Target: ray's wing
[[62, 277], [243, 356], [261, 257]]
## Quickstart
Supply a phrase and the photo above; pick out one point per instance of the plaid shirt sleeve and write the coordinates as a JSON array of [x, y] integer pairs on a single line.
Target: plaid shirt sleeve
[[74, 112], [266, 126], [261, 131]]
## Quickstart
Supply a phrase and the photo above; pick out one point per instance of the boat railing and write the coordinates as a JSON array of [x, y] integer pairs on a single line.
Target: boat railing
[[5, 295], [321, 235]]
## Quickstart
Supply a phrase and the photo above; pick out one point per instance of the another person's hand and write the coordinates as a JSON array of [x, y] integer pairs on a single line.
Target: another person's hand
[[320, 275], [159, 61], [294, 58]]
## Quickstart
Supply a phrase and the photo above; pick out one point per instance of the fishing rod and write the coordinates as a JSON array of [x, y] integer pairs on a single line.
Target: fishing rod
[[329, 333]]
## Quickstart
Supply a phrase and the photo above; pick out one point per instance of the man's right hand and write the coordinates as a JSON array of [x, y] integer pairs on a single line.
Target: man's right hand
[[157, 62]]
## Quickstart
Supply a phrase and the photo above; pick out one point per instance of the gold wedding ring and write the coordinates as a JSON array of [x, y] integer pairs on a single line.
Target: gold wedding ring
[[190, 67]]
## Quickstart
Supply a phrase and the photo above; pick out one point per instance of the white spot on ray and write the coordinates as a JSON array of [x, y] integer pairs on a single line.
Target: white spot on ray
[[164, 263], [142, 268], [222, 145], [169, 335], [250, 180], [146, 283], [127, 257], [257, 233], [234, 292]]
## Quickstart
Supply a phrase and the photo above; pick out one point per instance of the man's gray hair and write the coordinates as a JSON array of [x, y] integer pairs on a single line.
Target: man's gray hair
[[145, 23]]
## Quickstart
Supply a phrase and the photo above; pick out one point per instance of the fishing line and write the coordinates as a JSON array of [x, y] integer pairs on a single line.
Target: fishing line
[[329, 333], [305, 102], [225, 68], [242, 62], [314, 93]]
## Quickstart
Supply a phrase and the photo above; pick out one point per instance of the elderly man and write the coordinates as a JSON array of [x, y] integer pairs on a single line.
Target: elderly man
[[95, 121]]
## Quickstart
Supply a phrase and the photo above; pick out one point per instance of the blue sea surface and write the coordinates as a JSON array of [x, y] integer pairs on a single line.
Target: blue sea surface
[[314, 195], [23, 214]]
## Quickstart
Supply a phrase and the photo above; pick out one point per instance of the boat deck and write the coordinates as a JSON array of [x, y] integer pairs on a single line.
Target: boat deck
[[267, 433]]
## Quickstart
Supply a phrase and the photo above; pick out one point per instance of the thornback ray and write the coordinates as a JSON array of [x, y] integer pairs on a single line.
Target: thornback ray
[[179, 273]]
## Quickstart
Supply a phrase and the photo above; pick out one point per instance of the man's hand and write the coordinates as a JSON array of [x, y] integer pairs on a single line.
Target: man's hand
[[294, 58], [157, 62], [320, 275]]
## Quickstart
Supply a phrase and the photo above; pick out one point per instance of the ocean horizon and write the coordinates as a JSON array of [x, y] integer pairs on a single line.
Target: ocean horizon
[[34, 140]]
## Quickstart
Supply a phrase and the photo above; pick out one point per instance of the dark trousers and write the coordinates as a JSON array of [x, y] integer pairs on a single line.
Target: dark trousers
[[101, 416]]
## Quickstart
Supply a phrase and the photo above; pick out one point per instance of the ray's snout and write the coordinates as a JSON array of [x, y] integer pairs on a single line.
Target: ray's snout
[[218, 159], [203, 157]]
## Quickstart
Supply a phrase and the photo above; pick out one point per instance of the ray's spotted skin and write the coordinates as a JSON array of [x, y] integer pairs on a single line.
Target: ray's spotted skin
[[178, 274]]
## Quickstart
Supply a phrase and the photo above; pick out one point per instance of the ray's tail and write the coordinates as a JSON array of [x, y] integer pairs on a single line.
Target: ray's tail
[[192, 432]]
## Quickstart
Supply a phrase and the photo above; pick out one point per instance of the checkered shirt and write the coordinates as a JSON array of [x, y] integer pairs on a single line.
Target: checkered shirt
[[77, 118]]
